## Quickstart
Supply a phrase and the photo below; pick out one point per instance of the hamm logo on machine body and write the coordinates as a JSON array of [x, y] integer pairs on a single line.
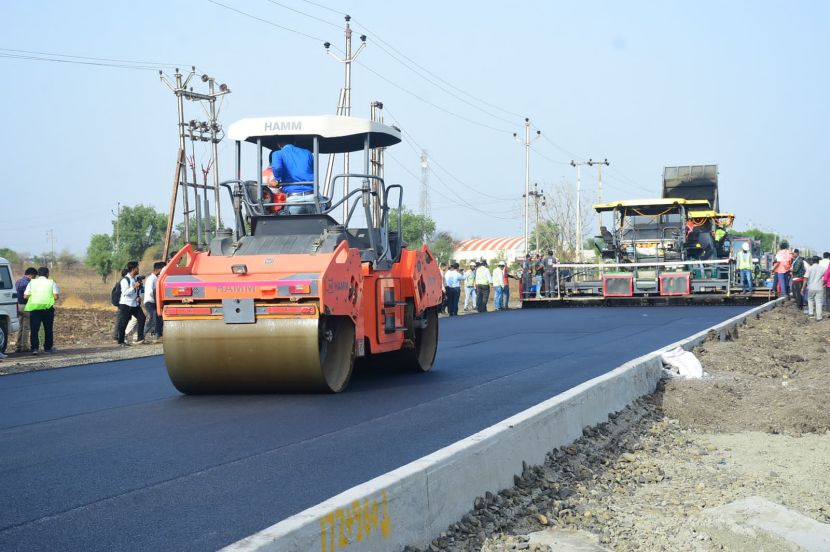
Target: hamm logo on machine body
[[273, 126]]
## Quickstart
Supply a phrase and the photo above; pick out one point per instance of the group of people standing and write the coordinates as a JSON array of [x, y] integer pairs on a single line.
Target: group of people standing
[[36, 297], [804, 279], [541, 272], [476, 282], [135, 292]]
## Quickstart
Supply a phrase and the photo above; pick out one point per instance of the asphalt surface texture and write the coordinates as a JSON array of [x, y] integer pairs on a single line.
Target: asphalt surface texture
[[111, 457]]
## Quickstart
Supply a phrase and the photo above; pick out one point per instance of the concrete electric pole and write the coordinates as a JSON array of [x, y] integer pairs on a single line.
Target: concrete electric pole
[[424, 203], [527, 141], [599, 165], [578, 165], [203, 131], [538, 196], [344, 106]]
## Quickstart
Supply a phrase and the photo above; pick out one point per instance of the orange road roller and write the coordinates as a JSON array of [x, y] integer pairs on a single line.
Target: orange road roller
[[290, 298]]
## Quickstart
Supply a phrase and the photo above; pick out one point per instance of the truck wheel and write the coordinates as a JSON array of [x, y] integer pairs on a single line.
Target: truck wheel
[[4, 335]]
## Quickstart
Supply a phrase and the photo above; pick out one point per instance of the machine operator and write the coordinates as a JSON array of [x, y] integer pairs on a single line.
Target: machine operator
[[293, 168]]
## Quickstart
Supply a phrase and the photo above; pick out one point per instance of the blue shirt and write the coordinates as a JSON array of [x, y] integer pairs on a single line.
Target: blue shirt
[[20, 287], [293, 164]]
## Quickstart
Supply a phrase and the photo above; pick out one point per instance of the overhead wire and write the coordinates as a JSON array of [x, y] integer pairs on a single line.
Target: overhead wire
[[78, 62], [267, 22], [416, 147], [155, 64], [437, 77]]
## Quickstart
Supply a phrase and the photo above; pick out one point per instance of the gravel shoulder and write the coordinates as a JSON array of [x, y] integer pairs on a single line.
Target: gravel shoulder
[[756, 425], [82, 336]]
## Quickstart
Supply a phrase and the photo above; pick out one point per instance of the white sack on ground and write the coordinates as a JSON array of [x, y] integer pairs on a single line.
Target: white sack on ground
[[684, 363]]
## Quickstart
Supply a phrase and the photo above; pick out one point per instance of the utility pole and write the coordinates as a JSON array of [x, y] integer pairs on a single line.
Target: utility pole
[[527, 141], [377, 158], [50, 236], [344, 106], [599, 165], [117, 215], [425, 209], [578, 164], [538, 196], [197, 130]]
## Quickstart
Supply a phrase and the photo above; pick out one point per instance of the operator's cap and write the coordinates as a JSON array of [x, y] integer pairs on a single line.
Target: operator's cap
[[745, 246], [502, 263]]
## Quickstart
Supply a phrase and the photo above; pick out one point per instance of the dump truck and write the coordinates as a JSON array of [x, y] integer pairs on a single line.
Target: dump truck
[[692, 182], [288, 302]]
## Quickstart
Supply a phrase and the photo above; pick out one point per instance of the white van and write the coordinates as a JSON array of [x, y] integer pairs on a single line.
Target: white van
[[9, 323]]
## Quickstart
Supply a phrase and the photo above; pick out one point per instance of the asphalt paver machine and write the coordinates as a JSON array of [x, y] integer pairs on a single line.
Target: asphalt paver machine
[[287, 302]]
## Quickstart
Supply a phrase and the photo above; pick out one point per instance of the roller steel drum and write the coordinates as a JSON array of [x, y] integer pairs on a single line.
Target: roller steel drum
[[271, 355]]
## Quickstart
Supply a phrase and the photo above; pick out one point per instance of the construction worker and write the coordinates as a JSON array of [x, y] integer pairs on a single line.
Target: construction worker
[[527, 276], [549, 263], [483, 280], [20, 287], [293, 168], [797, 271], [470, 287], [781, 267], [40, 295], [745, 267], [498, 284]]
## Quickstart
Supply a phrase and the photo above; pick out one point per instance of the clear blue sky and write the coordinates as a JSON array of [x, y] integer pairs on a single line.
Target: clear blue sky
[[645, 84]]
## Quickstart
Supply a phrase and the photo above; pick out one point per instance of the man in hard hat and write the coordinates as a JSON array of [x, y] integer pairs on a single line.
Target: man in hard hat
[[745, 267], [470, 287]]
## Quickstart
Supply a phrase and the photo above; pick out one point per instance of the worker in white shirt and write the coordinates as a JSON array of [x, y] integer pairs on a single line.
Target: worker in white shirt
[[483, 280]]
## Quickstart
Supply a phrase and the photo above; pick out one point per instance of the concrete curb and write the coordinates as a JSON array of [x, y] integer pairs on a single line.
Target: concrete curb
[[416, 502]]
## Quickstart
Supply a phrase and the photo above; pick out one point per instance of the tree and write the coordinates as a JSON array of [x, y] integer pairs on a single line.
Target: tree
[[416, 229], [177, 241], [443, 247], [99, 255], [66, 259], [550, 236], [136, 229], [10, 255], [769, 240]]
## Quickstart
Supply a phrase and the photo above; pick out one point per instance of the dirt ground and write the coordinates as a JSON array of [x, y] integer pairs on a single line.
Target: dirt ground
[[82, 335], [757, 424]]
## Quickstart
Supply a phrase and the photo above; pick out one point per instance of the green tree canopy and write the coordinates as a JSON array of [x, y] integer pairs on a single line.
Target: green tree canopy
[[100, 255], [769, 240], [416, 229], [443, 247], [136, 229], [10, 255]]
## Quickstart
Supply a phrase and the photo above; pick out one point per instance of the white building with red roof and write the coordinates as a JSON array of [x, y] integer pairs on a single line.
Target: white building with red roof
[[511, 248]]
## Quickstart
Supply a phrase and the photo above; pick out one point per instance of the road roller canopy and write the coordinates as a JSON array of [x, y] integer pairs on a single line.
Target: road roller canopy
[[652, 207], [335, 133]]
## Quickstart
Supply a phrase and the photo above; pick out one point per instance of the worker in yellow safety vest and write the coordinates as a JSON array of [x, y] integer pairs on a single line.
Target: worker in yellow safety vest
[[41, 294], [746, 267]]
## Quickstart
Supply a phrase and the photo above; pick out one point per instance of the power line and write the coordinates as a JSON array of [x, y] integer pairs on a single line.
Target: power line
[[246, 14], [155, 64], [435, 84], [335, 25], [424, 100], [379, 39], [416, 147], [78, 62], [323, 7]]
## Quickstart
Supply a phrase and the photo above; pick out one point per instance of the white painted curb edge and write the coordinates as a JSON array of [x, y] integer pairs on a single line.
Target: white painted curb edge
[[416, 502]]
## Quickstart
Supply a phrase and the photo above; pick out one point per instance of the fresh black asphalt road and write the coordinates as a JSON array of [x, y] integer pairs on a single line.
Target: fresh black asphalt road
[[110, 457]]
